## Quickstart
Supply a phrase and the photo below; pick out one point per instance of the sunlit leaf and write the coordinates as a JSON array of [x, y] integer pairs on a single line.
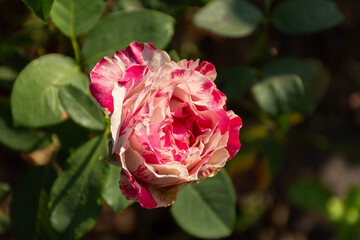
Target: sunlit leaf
[[231, 18], [81, 108], [207, 209], [76, 194], [278, 94], [76, 17], [117, 30], [40, 7], [305, 16], [34, 99], [112, 194], [29, 209]]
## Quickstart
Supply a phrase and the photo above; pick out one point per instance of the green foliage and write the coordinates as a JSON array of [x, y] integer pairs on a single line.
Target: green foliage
[[52, 88], [40, 7], [75, 200], [313, 75], [111, 194], [34, 99], [230, 18], [29, 209], [118, 29], [305, 16], [76, 17], [81, 108], [207, 209], [20, 139], [278, 94]]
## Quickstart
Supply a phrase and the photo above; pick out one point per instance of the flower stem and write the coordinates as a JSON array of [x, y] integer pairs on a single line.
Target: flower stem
[[76, 48]]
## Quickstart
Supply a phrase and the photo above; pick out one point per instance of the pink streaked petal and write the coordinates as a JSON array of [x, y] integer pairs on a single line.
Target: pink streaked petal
[[233, 144], [160, 175], [224, 121], [134, 52], [185, 64], [199, 86], [207, 69], [146, 54], [132, 190], [126, 187], [146, 198], [218, 100], [103, 77], [118, 94], [134, 75], [194, 172]]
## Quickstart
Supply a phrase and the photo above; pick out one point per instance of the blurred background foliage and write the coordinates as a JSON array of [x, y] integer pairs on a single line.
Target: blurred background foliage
[[290, 69]]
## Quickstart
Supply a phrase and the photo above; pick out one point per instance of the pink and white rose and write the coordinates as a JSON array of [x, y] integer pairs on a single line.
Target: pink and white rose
[[169, 122]]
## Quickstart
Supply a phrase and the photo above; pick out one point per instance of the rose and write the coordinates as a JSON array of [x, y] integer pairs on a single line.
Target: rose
[[169, 122]]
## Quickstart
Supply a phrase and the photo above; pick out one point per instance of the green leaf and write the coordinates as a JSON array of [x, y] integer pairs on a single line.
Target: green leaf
[[20, 139], [314, 77], [236, 81], [81, 108], [309, 195], [29, 209], [127, 5], [207, 209], [34, 99], [40, 7], [305, 16], [117, 30], [278, 94], [112, 194], [288, 65], [174, 55], [76, 195], [230, 18], [315, 88], [76, 17]]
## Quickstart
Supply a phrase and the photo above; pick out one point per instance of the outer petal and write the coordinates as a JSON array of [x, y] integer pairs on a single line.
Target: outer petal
[[205, 68], [233, 144], [103, 77], [111, 69], [150, 186], [149, 196]]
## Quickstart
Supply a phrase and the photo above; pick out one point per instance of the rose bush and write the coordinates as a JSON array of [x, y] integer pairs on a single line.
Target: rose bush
[[169, 122]]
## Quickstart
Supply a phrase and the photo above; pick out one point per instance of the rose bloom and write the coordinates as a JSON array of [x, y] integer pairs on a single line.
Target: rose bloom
[[169, 123]]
